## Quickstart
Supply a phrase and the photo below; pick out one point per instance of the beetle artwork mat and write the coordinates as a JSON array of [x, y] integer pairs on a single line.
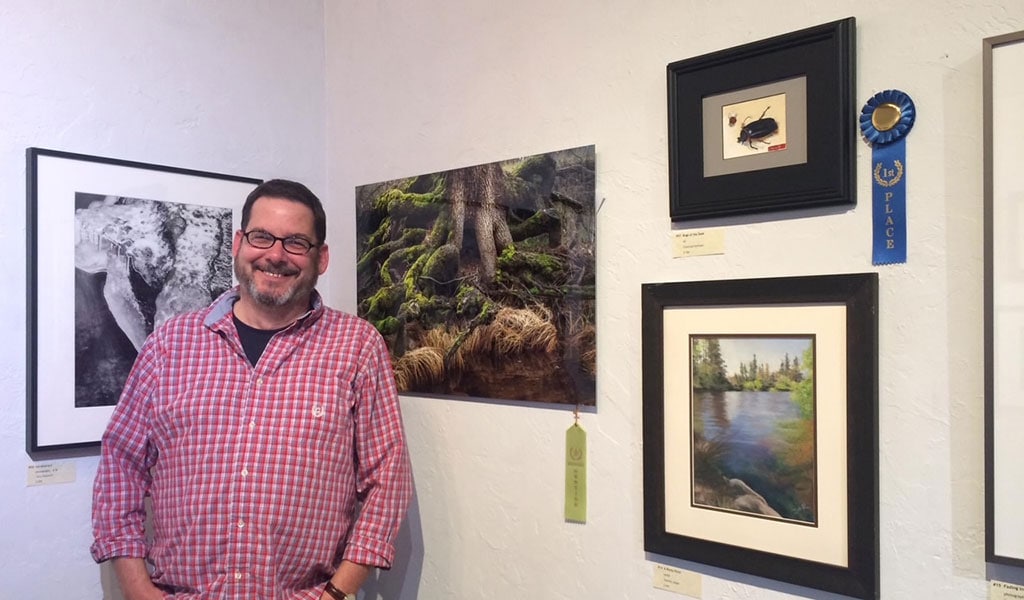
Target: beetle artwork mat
[[754, 127]]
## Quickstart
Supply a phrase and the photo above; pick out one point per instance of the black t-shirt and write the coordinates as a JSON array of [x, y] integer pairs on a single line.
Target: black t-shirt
[[254, 341]]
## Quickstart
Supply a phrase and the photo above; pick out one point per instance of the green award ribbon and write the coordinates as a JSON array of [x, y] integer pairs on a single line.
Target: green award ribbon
[[576, 474]]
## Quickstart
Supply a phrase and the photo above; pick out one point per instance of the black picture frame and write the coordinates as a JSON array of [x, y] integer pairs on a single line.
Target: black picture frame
[[839, 553], [813, 70], [1004, 307], [100, 228]]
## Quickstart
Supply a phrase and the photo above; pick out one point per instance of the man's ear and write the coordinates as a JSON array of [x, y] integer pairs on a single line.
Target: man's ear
[[236, 244], [323, 257]]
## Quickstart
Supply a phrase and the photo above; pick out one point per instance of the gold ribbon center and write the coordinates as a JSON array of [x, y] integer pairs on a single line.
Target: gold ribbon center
[[886, 116]]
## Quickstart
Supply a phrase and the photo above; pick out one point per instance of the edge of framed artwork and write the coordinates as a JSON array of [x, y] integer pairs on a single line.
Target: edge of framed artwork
[[43, 385], [826, 178], [996, 550], [859, 294]]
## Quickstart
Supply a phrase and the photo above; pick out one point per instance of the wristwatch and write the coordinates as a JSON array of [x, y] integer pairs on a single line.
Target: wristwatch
[[337, 594]]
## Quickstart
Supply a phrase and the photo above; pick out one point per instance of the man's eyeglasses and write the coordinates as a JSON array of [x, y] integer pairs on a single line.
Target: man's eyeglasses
[[265, 241]]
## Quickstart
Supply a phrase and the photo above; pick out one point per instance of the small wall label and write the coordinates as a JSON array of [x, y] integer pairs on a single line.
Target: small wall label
[[699, 242], [51, 473], [676, 580]]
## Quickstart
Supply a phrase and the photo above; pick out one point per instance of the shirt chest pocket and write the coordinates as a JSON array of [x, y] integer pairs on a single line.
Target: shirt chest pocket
[[310, 413]]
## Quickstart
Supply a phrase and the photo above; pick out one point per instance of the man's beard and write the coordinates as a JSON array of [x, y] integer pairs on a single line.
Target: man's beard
[[300, 288]]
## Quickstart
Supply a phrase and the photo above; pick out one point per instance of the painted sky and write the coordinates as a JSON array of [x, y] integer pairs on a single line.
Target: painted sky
[[736, 350]]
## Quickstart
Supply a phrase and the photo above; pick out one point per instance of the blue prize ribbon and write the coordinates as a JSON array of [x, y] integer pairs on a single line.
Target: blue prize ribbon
[[889, 176], [889, 203]]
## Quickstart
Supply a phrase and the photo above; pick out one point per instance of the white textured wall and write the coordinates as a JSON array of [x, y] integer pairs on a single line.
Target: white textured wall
[[238, 87], [416, 87], [231, 86]]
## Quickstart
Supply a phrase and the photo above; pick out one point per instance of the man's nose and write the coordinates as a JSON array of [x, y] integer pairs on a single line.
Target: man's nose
[[276, 251]]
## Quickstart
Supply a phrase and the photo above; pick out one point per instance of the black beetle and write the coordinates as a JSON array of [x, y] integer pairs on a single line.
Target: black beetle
[[758, 130]]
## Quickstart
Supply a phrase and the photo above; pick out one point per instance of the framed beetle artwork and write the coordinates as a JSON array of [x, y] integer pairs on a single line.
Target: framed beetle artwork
[[765, 126]]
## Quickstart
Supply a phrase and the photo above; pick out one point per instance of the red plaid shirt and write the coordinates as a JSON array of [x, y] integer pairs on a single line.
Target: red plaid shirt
[[254, 472]]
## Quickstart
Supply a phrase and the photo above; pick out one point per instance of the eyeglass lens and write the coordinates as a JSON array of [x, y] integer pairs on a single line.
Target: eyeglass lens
[[263, 241]]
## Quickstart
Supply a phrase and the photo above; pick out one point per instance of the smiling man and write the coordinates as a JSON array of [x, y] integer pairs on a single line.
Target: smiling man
[[277, 280], [265, 428]]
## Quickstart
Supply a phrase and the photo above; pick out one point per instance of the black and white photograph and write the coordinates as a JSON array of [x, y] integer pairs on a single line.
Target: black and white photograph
[[115, 248], [138, 262]]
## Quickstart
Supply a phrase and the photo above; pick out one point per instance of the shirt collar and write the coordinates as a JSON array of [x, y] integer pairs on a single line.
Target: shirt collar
[[219, 313]]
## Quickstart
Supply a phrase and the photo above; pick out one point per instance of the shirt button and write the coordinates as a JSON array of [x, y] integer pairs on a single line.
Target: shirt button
[[259, 381], [245, 472], [241, 523], [237, 575], [252, 424]]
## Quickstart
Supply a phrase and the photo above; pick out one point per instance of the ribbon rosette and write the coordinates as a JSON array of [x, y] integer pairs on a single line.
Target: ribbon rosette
[[887, 117], [886, 120]]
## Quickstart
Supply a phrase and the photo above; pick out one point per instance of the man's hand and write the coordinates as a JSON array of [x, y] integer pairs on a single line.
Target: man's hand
[[348, 578], [134, 579]]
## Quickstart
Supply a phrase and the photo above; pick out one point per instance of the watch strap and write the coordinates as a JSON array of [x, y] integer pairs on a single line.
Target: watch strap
[[337, 594]]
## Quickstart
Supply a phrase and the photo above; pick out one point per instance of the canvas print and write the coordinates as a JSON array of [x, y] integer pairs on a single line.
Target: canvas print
[[481, 279], [754, 126], [137, 263], [753, 421]]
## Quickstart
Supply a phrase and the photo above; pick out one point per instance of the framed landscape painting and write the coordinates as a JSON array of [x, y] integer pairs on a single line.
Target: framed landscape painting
[[760, 427]]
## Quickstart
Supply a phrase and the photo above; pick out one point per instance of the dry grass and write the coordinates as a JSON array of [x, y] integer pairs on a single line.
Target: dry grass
[[586, 340], [514, 331], [442, 339], [438, 337], [420, 366]]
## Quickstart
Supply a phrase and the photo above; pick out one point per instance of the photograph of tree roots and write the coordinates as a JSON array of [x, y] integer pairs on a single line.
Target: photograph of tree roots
[[481, 279]]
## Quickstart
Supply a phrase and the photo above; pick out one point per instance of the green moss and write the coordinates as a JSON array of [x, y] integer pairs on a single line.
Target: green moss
[[412, 275], [394, 250], [541, 263], [469, 300], [464, 291], [440, 233], [547, 263], [383, 302], [382, 234], [413, 235], [389, 199], [397, 261], [487, 312], [539, 224], [387, 325], [508, 254], [369, 258], [441, 262], [532, 164]]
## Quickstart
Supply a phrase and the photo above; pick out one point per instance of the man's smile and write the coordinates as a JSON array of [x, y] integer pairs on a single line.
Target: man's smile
[[275, 271]]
